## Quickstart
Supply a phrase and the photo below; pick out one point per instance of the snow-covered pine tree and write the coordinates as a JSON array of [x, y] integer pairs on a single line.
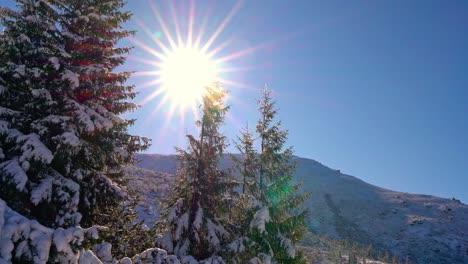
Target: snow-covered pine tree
[[127, 235], [240, 249], [246, 165], [62, 142], [275, 215], [195, 212]]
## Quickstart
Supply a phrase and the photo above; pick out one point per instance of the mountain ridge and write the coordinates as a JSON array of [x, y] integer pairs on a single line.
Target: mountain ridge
[[426, 228]]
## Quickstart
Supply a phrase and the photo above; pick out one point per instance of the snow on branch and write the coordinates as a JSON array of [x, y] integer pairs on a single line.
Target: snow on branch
[[33, 149], [22, 238], [72, 78], [261, 217], [288, 246], [214, 233], [16, 174], [261, 259]]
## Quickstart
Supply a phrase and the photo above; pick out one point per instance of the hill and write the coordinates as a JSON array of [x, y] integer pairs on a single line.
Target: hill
[[425, 228]]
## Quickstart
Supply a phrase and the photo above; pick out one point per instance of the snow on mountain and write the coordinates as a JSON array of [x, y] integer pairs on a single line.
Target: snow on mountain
[[151, 186], [426, 228]]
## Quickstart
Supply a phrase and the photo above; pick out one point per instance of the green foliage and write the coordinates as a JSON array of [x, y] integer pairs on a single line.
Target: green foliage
[[63, 145], [270, 213], [195, 212], [247, 167], [125, 233], [61, 97]]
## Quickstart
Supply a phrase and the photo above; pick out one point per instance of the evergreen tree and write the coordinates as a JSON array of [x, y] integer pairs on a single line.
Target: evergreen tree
[[274, 213], [62, 142], [248, 165], [127, 235], [196, 210], [242, 213]]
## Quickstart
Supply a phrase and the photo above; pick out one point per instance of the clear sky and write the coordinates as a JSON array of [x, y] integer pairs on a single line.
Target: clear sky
[[377, 89]]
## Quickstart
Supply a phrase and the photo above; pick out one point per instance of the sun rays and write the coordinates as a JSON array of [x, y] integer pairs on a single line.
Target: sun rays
[[183, 62], [184, 74]]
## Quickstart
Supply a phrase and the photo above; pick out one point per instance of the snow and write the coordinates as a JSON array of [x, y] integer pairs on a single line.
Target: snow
[[261, 259], [155, 256], [261, 217], [66, 33], [89, 118], [17, 175], [36, 72], [56, 119], [41, 241], [52, 27], [182, 225], [4, 128], [84, 18], [166, 242], [188, 260], [78, 174], [115, 118], [198, 218], [27, 238], [172, 216], [19, 69], [33, 149], [126, 260], [41, 93], [69, 138], [23, 38], [42, 192], [214, 233], [121, 152], [182, 249], [63, 53], [237, 246], [95, 16], [88, 257], [213, 260], [72, 78], [55, 62], [6, 249], [286, 243], [6, 112], [172, 259], [103, 251], [84, 118]]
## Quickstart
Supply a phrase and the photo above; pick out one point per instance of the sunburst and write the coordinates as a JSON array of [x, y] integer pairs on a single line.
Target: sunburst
[[182, 66]]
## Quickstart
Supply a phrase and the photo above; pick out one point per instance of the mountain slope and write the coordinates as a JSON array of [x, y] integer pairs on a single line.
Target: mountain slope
[[428, 229]]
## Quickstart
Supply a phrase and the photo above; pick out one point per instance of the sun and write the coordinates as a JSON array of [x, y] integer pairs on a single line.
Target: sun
[[183, 65], [185, 72]]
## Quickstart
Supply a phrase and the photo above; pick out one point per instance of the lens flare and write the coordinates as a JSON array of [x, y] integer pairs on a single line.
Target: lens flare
[[184, 74], [184, 62]]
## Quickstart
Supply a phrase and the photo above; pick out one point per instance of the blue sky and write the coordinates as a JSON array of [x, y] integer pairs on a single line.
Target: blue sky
[[377, 89]]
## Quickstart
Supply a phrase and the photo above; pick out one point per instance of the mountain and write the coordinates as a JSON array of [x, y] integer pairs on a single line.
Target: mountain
[[425, 228]]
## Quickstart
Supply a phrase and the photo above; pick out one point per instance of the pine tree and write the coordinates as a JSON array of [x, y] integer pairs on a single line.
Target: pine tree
[[276, 217], [62, 142], [247, 166], [127, 235], [196, 210]]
